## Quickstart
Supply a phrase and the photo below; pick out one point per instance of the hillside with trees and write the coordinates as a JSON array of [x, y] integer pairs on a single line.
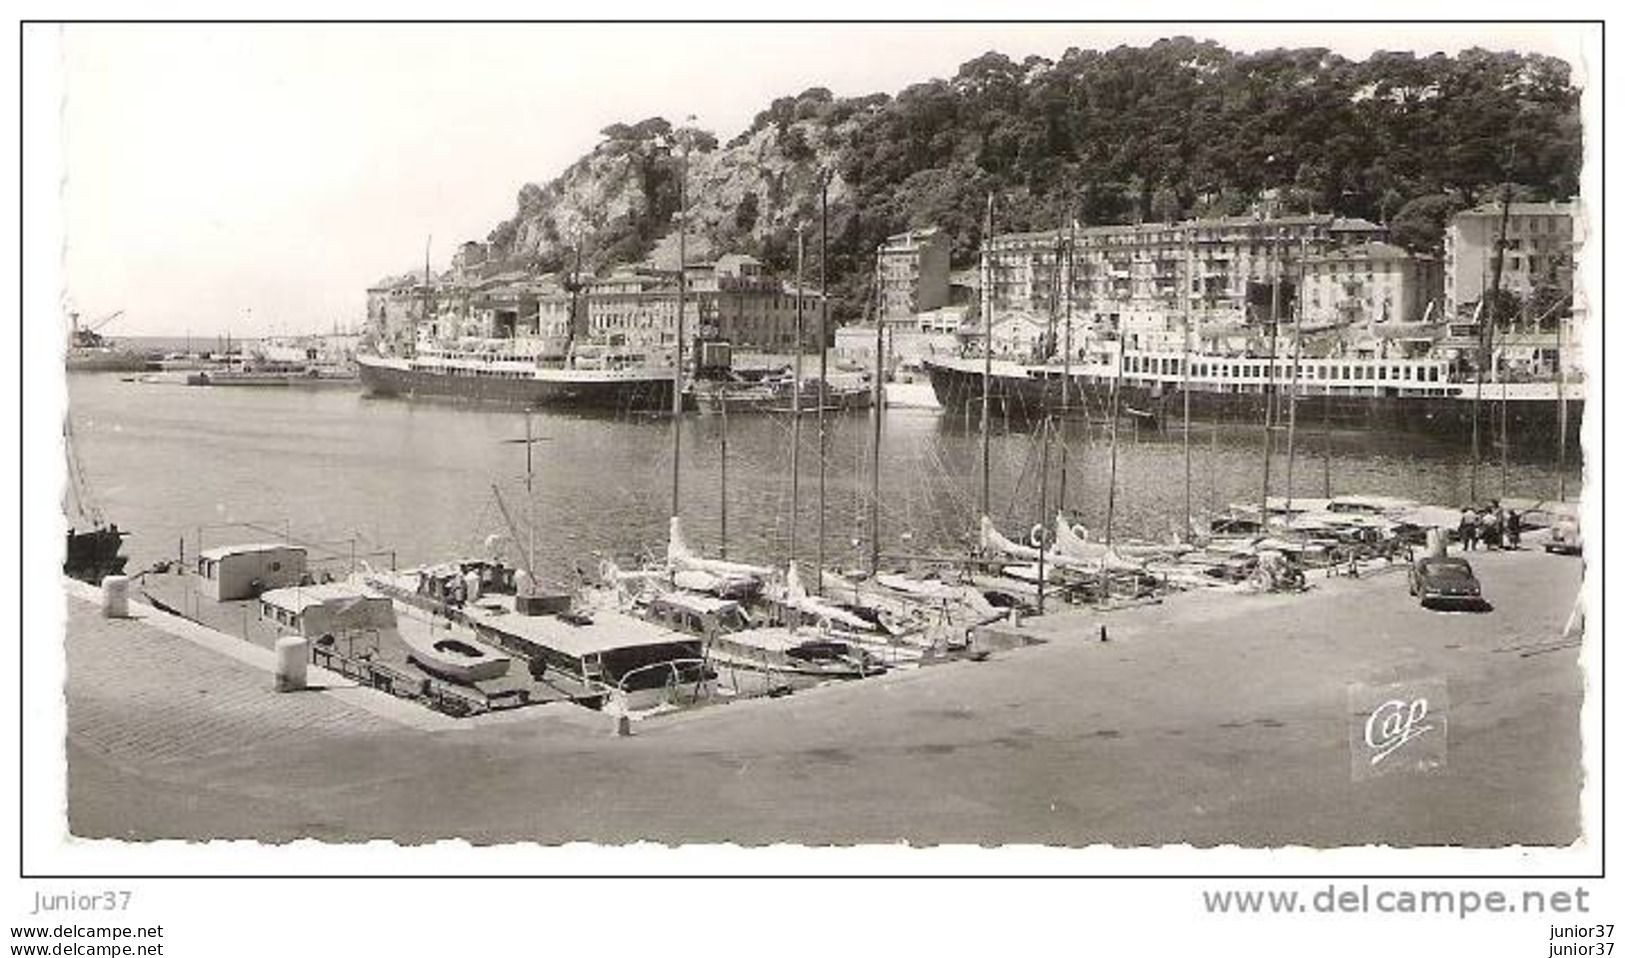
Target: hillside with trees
[[1178, 128]]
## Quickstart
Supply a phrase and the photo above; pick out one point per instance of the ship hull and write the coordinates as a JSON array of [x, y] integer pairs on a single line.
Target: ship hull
[[753, 399], [615, 392], [1531, 423], [107, 361]]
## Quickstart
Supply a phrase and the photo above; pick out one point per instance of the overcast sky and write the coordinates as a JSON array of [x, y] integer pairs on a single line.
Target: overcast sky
[[257, 178]]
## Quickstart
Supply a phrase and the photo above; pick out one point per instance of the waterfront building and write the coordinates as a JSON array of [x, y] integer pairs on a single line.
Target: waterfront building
[[911, 270], [395, 308], [1369, 283], [1143, 278], [1539, 261], [732, 298]]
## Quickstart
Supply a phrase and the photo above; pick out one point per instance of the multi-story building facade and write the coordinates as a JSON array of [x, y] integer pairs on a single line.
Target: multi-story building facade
[[1540, 243], [395, 309], [1371, 283], [732, 299], [1149, 276], [912, 273]]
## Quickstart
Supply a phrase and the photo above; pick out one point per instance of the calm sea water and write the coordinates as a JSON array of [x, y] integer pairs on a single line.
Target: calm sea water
[[335, 467]]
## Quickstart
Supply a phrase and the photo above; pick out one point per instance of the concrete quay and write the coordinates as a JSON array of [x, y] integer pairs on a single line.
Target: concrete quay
[[1208, 718]]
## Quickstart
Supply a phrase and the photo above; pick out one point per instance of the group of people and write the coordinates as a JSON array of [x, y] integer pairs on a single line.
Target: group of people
[[1490, 526]]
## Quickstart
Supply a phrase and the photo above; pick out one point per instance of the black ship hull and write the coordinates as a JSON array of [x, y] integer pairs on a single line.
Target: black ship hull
[[575, 389], [1530, 424], [94, 554]]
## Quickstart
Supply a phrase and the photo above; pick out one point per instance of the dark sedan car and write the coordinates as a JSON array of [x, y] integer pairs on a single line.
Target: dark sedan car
[[1444, 581]]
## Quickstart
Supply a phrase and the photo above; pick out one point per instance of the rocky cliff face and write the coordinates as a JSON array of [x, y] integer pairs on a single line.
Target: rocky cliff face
[[621, 201]]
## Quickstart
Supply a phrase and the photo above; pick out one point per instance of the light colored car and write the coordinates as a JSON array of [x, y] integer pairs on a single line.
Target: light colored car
[[1565, 536]]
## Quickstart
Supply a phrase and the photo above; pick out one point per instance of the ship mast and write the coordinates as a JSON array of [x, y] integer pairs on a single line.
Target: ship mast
[[1562, 405], [823, 361], [1185, 377], [1269, 379], [1111, 476], [1297, 355], [1066, 360], [987, 349], [877, 405], [677, 364], [1486, 330], [795, 405]]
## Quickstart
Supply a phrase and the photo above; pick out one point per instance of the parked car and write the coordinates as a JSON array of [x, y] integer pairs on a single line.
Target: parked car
[[1445, 580], [1565, 536]]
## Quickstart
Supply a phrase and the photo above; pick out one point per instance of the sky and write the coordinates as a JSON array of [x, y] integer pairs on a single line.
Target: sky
[[255, 179]]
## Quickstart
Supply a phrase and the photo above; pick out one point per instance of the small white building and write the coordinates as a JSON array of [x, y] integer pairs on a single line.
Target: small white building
[[244, 571], [326, 608]]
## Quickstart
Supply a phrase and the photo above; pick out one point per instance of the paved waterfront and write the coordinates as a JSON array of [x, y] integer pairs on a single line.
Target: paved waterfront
[[1208, 719]]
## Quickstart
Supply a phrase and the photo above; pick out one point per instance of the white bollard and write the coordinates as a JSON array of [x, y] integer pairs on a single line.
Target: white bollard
[[1436, 543], [115, 597], [292, 654]]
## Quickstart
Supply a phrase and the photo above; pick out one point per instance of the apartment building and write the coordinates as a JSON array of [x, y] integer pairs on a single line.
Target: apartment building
[[1540, 245], [911, 272], [1369, 283]]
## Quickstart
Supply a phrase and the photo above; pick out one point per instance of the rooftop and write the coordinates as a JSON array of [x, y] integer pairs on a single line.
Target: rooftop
[[250, 548], [299, 598], [608, 630], [1372, 250], [1522, 208]]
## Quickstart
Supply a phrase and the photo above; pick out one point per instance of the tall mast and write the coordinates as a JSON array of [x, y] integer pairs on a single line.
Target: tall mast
[[428, 293], [1185, 377], [1486, 329], [722, 504], [575, 302], [876, 407], [1326, 439], [823, 359], [1111, 480], [530, 494], [677, 364], [1043, 509], [1562, 405], [1066, 360], [1297, 354], [1269, 379], [987, 350], [795, 406]]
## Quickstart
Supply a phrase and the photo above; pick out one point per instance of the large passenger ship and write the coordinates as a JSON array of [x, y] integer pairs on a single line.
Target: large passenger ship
[[491, 371], [1415, 395]]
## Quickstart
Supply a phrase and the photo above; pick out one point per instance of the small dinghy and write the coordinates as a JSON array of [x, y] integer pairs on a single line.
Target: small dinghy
[[454, 658]]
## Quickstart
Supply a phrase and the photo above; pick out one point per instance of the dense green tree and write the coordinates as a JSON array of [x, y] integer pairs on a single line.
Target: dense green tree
[[1180, 127]]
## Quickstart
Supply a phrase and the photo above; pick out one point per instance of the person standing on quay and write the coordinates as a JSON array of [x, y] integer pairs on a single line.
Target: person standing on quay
[[1514, 529], [1467, 531]]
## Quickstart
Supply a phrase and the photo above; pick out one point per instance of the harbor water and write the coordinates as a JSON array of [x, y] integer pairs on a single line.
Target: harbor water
[[381, 480]]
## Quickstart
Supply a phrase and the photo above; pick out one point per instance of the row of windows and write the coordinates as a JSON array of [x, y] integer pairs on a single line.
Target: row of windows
[[1381, 372], [279, 615]]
